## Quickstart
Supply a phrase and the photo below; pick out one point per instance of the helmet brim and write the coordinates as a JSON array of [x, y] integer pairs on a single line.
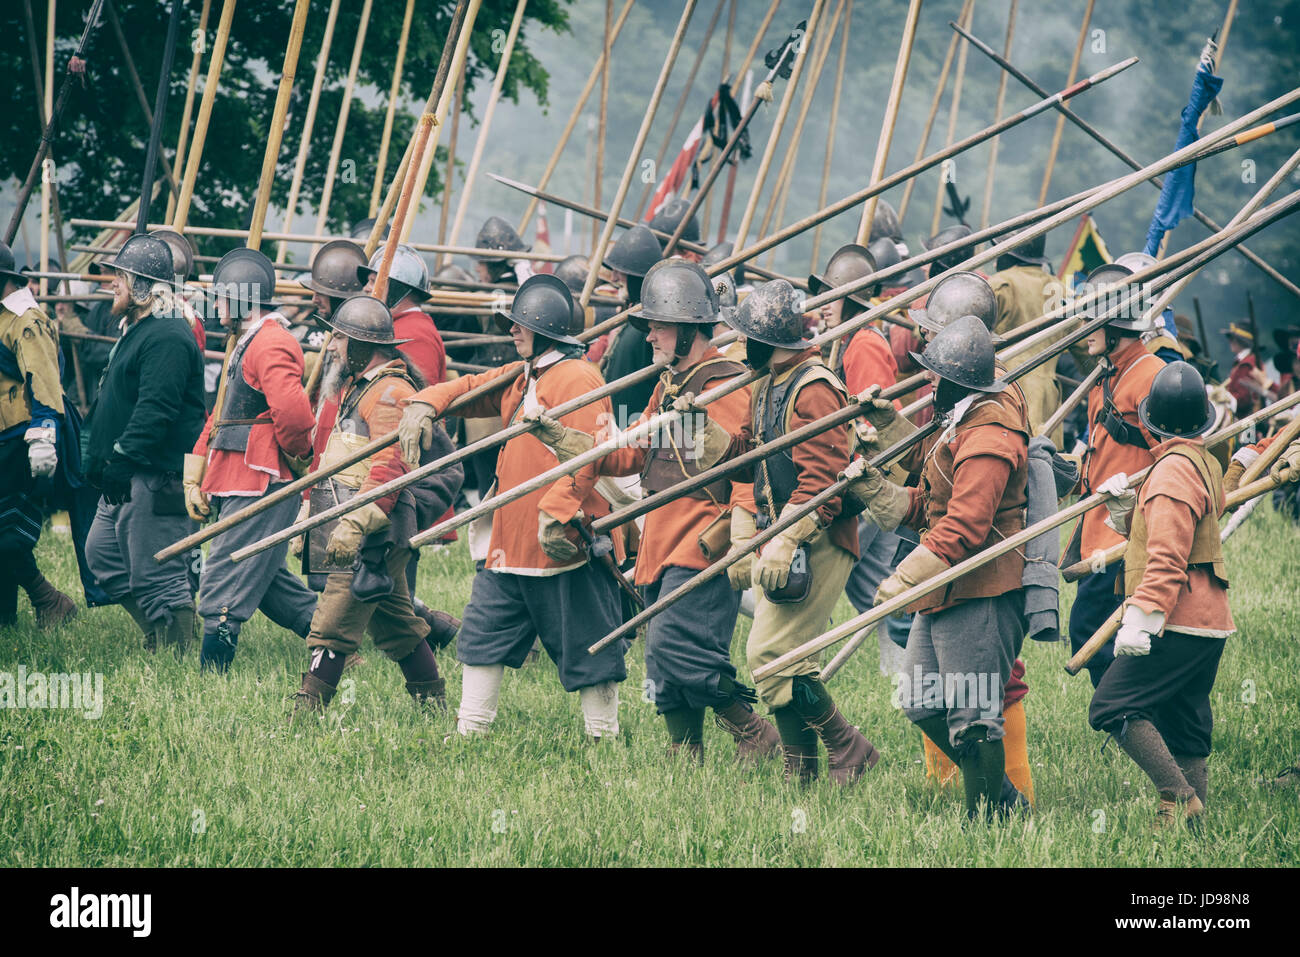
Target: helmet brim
[[1145, 418], [997, 385], [819, 284], [538, 329], [731, 319]]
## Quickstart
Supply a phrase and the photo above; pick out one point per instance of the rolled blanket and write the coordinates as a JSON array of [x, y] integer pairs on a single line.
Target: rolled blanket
[[1050, 476]]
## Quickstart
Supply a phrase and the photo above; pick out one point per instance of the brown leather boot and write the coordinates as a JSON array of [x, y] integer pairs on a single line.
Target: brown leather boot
[[429, 695], [1173, 812], [313, 697], [756, 738], [848, 753], [52, 607], [442, 626]]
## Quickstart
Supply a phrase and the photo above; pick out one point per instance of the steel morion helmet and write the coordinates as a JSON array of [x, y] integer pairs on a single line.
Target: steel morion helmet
[[182, 252], [1135, 261], [9, 266], [773, 315], [1032, 252], [957, 256], [634, 252], [679, 292], [407, 276], [669, 218], [147, 260], [884, 253], [365, 319], [246, 279], [885, 223], [1177, 405], [957, 294], [573, 271], [847, 264], [497, 234], [1113, 277], [963, 354], [545, 305], [334, 271]]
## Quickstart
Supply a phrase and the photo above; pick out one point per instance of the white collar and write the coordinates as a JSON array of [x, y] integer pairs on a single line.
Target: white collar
[[1241, 356], [958, 413], [256, 324], [547, 359], [19, 301]]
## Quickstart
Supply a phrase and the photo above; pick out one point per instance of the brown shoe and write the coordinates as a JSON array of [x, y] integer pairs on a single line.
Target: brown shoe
[[756, 738], [849, 754], [442, 626], [1173, 812], [429, 695], [52, 607], [313, 697]]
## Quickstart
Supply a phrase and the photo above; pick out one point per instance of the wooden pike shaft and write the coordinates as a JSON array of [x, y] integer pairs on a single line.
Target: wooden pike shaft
[[990, 176], [404, 203], [1060, 120], [1103, 635], [778, 124], [891, 115], [954, 110], [394, 92], [485, 127], [554, 161], [449, 178], [195, 157], [934, 110], [309, 123], [276, 133], [602, 114], [341, 124], [133, 75], [634, 158], [830, 131], [188, 110], [1132, 163]]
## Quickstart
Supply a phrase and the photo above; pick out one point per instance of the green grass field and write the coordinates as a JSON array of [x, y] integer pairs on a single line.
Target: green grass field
[[190, 770]]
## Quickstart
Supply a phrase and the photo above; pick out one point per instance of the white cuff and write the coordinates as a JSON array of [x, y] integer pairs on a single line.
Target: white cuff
[[40, 434], [600, 708], [1152, 622], [1245, 455]]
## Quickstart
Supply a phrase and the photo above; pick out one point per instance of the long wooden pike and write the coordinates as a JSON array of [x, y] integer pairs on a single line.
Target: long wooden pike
[[195, 156], [394, 94], [1060, 121], [1128, 160], [634, 157], [990, 175], [954, 110], [891, 115], [554, 161], [158, 118], [188, 110], [830, 132], [341, 124]]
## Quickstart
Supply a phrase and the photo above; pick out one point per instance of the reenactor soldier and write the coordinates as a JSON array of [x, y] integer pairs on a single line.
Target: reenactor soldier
[[688, 646], [335, 277], [535, 582], [408, 287], [630, 258], [1155, 698], [32, 429], [971, 495], [1247, 383], [146, 417], [497, 234], [364, 552], [1117, 442], [259, 440], [1024, 285], [668, 218], [800, 574]]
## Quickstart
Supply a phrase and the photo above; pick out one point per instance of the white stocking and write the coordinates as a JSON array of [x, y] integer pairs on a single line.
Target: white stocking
[[480, 689], [600, 708]]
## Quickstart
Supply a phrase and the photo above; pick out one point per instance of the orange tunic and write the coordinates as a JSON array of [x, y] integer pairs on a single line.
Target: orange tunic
[[1173, 499], [381, 408], [1135, 370], [869, 361], [672, 530], [513, 546]]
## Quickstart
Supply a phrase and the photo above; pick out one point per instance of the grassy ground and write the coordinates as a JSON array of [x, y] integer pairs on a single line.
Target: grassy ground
[[184, 770]]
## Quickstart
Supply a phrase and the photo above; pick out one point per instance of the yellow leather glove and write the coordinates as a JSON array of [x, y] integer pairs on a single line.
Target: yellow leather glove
[[196, 501], [551, 535], [705, 441], [1287, 466], [772, 570], [415, 431], [564, 441], [887, 503], [921, 565], [345, 541], [743, 528], [298, 541]]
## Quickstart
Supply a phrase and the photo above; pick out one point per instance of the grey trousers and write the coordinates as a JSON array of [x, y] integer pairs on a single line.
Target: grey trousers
[[958, 661], [233, 591], [120, 548], [878, 550]]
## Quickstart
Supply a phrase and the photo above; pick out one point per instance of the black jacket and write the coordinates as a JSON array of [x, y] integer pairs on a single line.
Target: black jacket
[[150, 403]]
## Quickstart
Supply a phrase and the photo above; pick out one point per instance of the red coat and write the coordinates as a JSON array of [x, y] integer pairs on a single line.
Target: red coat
[[868, 361], [425, 351], [1241, 385], [272, 365]]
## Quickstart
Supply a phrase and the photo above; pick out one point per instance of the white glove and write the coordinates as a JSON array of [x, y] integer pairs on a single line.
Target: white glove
[[1120, 501], [42, 455], [1135, 630]]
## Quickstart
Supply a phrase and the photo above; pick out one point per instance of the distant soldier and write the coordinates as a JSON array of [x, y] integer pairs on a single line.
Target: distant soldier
[[258, 441], [1247, 382], [1117, 442], [666, 220], [536, 582], [1155, 697], [1024, 286], [800, 574], [630, 258], [147, 416], [408, 287], [688, 646], [496, 233], [364, 552], [31, 428]]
